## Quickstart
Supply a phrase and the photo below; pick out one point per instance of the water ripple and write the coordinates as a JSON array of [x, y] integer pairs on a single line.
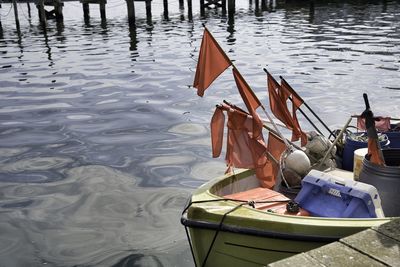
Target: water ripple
[[103, 138]]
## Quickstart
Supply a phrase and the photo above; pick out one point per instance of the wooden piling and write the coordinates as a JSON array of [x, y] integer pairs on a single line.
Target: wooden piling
[[85, 7], [148, 10], [58, 7], [223, 6], [16, 13], [202, 8], [190, 11], [231, 7], [29, 9], [264, 5], [165, 9], [42, 13], [131, 12], [181, 4], [103, 9]]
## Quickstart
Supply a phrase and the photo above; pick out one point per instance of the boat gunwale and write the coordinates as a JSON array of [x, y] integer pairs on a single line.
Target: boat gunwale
[[254, 232], [204, 192]]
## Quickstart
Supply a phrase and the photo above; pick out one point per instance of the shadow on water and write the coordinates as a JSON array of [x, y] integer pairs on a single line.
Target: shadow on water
[[138, 260]]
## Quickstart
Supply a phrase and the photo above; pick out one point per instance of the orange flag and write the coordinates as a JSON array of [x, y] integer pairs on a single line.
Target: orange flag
[[251, 101], [211, 63], [297, 101], [375, 152], [269, 173], [278, 108], [374, 148], [275, 146], [217, 131]]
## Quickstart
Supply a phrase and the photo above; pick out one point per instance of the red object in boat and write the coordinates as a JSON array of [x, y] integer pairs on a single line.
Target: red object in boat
[[261, 194]]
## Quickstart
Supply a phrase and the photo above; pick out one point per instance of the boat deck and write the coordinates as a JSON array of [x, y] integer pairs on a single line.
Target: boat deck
[[378, 246], [267, 200]]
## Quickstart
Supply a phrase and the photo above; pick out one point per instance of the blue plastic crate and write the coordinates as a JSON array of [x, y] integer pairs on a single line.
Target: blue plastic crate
[[325, 195]]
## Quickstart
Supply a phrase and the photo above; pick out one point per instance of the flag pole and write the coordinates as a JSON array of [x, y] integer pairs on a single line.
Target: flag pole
[[290, 147], [301, 111], [252, 92], [312, 111]]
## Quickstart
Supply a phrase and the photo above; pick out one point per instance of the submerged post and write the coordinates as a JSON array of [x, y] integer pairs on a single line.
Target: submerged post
[[16, 13], [148, 10], [231, 7], [190, 12], [58, 6], [85, 7], [165, 9], [223, 6], [42, 14], [202, 8], [103, 9], [131, 12], [29, 9]]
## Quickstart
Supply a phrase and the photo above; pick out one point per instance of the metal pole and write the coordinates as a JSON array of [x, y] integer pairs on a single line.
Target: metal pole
[[334, 143]]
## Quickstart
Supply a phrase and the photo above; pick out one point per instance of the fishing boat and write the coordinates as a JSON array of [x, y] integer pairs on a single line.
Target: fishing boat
[[277, 198], [233, 221]]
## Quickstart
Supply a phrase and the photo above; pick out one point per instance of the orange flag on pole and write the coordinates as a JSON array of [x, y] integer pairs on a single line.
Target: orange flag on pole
[[297, 101], [251, 101], [278, 108], [217, 131], [211, 63]]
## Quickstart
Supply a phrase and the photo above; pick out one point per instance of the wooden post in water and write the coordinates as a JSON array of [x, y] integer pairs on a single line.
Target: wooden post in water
[[223, 6], [202, 8], [181, 4], [131, 12], [29, 9], [148, 10], [264, 5], [85, 7], [165, 9], [58, 6], [103, 9], [190, 12], [231, 7], [16, 13], [42, 13]]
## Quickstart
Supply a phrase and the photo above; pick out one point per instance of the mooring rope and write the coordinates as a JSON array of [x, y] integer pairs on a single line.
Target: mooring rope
[[251, 203]]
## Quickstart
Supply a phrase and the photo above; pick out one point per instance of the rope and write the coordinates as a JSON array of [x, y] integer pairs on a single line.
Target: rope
[[242, 203], [217, 231]]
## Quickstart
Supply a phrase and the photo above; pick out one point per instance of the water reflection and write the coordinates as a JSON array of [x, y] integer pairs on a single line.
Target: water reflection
[[103, 138]]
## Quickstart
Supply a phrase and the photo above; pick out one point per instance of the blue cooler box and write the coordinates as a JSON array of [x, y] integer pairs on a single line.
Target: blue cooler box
[[325, 195]]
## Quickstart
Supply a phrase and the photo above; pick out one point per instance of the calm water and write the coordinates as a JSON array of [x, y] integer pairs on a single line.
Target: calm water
[[102, 139]]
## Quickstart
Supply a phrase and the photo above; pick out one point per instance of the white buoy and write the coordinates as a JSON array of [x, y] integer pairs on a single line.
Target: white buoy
[[299, 162]]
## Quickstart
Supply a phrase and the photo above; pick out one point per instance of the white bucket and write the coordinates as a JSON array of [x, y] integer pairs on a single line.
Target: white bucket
[[359, 155]]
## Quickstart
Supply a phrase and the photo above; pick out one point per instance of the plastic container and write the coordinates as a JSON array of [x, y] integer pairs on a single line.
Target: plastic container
[[359, 155], [394, 137], [325, 195], [386, 179], [352, 145]]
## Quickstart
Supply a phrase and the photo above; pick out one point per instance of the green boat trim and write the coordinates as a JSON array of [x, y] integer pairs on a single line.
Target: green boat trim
[[256, 232]]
